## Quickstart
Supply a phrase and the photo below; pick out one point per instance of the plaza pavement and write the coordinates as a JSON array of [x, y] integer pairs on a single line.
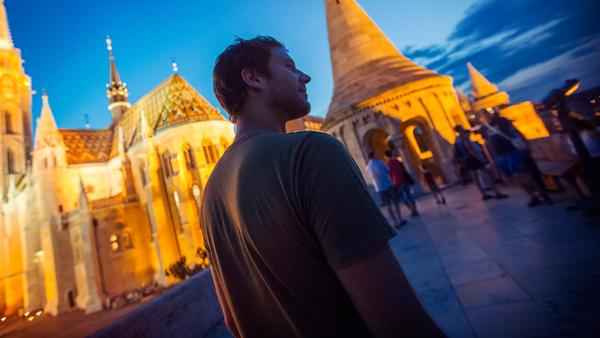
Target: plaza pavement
[[497, 268]]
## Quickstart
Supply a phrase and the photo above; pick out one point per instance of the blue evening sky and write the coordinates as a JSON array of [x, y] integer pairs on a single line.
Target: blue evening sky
[[527, 47]]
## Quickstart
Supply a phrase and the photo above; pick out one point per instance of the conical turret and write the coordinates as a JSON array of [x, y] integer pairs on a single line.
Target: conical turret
[[116, 90], [5, 37], [481, 87], [485, 94], [364, 61]]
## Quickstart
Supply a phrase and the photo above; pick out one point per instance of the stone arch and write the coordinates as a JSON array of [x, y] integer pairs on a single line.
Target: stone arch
[[419, 144], [375, 140]]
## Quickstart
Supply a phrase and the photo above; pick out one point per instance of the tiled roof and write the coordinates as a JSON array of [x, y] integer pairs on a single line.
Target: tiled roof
[[87, 146], [172, 102]]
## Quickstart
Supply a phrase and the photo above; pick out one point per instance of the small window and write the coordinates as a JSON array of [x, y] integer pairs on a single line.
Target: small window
[[8, 122], [210, 153], [10, 162], [190, 160], [126, 242]]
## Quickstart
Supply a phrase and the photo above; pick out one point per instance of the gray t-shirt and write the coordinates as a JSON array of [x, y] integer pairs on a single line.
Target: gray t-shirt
[[281, 213]]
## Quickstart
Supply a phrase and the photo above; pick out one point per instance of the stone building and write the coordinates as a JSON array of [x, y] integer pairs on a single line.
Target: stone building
[[380, 93], [90, 214], [487, 96]]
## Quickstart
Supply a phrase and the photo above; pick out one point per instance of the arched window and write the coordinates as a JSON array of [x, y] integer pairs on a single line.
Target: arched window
[[126, 241], [10, 162], [210, 152], [190, 160], [8, 122]]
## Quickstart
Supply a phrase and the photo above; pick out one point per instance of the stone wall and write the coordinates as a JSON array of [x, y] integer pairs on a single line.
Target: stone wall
[[190, 309]]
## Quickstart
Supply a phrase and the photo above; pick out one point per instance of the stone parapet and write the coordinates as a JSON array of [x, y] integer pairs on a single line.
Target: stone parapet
[[190, 309]]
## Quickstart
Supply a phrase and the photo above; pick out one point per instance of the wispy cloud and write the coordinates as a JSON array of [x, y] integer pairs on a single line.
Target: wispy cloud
[[528, 47]]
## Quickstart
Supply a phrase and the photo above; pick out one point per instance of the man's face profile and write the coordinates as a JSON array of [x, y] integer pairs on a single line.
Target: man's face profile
[[287, 85]]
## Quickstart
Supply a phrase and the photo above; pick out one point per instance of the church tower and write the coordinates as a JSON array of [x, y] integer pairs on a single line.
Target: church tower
[[15, 146], [15, 108], [381, 97], [116, 90]]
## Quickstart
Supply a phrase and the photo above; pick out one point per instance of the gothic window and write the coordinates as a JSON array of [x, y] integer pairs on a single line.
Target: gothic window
[[126, 242], [190, 161], [210, 152], [121, 240], [170, 164], [8, 122], [10, 162]]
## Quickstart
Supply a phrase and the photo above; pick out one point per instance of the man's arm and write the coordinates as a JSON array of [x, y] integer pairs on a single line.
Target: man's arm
[[384, 298]]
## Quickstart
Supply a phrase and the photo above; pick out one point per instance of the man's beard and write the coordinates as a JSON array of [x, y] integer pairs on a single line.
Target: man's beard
[[289, 104]]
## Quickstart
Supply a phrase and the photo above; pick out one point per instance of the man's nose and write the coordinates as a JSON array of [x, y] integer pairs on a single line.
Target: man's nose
[[304, 78]]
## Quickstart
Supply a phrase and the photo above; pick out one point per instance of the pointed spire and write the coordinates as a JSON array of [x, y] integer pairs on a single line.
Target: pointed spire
[[5, 37], [46, 117], [116, 90], [480, 86], [365, 63]]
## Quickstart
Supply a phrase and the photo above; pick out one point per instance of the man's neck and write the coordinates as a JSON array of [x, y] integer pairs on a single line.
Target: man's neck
[[258, 117]]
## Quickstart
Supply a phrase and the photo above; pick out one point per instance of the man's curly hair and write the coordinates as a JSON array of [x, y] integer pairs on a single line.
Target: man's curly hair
[[230, 89]]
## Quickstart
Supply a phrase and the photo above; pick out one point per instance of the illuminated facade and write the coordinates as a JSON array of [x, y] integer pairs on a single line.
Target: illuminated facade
[[307, 122], [378, 93], [91, 214], [487, 96]]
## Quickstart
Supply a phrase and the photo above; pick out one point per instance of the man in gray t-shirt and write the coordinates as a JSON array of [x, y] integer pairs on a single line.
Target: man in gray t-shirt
[[298, 248]]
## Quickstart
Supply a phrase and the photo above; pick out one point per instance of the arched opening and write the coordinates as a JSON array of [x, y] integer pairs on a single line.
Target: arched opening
[[375, 141], [419, 145], [8, 122]]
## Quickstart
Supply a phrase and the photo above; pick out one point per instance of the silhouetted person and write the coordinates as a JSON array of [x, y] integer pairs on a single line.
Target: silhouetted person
[[470, 155], [433, 187], [513, 156], [298, 246]]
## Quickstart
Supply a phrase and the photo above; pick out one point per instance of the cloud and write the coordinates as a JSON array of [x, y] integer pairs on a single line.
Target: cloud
[[525, 46]]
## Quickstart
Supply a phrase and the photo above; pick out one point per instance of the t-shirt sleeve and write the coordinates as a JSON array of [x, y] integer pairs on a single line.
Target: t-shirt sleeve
[[335, 202]]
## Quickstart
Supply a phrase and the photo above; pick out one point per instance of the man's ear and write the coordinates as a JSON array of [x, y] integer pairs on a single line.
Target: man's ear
[[253, 78]]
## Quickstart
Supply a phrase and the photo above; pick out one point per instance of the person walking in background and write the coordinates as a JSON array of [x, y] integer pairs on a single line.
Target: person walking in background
[[402, 182], [380, 176], [433, 187], [298, 247], [513, 156], [470, 155]]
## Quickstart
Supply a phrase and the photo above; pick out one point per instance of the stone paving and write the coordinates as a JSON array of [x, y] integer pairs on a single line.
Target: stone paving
[[497, 268]]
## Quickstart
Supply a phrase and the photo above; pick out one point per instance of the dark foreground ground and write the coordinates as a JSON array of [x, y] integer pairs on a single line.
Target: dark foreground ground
[[482, 269]]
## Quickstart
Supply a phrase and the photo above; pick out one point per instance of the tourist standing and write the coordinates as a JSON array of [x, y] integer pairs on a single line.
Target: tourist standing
[[380, 176], [298, 248], [470, 155], [513, 156], [402, 182], [433, 187]]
